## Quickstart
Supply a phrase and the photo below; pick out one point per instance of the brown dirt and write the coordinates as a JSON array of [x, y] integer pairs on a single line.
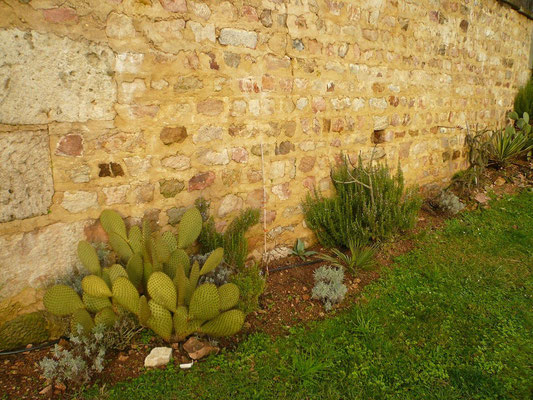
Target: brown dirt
[[286, 301]]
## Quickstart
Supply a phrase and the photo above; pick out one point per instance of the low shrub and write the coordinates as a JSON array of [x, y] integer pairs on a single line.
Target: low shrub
[[329, 287], [81, 362], [233, 240], [509, 143], [251, 283], [369, 203]]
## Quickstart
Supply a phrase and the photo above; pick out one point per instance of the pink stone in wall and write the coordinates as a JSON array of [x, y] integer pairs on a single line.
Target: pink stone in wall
[[239, 154], [179, 6], [309, 182], [60, 15], [307, 163], [70, 145], [249, 13], [201, 181], [210, 107], [319, 104]]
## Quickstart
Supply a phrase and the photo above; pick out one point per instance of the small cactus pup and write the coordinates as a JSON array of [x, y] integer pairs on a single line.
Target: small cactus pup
[[154, 280]]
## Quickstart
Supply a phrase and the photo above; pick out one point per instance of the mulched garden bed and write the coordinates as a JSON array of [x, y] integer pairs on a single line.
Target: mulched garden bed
[[286, 301]]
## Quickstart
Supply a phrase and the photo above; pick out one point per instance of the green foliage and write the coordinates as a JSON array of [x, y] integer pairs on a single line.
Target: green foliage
[[34, 328], [233, 240], [452, 320], [299, 250], [156, 283], [369, 203], [509, 143], [523, 102], [251, 284], [361, 256], [478, 145], [329, 287], [77, 365]]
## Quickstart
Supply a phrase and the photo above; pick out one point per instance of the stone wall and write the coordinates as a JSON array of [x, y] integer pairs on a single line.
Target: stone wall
[[145, 105]]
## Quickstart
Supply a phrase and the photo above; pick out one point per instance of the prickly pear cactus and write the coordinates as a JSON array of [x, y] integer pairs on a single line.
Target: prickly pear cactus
[[226, 324], [89, 258], [205, 302], [162, 290], [189, 228], [62, 300], [81, 322], [125, 294], [95, 286]]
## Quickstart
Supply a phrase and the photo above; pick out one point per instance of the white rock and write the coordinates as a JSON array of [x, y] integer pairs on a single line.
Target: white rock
[[229, 204], [238, 37], [79, 201], [158, 356], [202, 32]]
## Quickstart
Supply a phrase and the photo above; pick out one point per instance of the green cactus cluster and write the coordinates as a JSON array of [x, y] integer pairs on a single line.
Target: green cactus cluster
[[154, 281]]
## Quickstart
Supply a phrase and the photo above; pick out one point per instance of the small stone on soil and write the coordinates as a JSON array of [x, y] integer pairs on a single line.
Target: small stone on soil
[[158, 356]]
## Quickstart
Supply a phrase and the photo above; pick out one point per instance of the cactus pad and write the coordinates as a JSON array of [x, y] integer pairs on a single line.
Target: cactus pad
[[81, 317], [24, 329], [135, 239], [121, 247], [195, 274], [147, 271], [226, 324], [106, 317], [177, 257], [214, 259], [62, 300], [95, 286], [182, 326], [161, 250], [170, 240], [112, 222], [95, 304], [229, 296], [89, 258], [205, 302], [117, 270], [134, 268], [160, 321], [162, 290], [125, 294], [144, 312], [189, 228], [105, 276]]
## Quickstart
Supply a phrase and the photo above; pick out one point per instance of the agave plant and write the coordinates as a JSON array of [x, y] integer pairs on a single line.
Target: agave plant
[[361, 256], [300, 251], [508, 144]]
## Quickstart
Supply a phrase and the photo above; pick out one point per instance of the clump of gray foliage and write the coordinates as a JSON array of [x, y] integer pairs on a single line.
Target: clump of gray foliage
[[329, 287], [78, 364], [219, 276], [449, 202]]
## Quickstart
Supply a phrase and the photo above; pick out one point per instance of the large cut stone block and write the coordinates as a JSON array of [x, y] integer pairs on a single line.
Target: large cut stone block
[[39, 257], [26, 185], [47, 78]]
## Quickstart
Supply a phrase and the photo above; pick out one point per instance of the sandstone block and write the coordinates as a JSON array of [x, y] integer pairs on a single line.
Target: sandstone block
[[54, 247], [201, 181], [207, 133], [116, 194], [70, 145], [178, 162], [211, 107], [211, 157], [79, 201], [170, 135], [119, 26], [179, 6], [26, 185], [170, 187], [201, 32], [50, 78]]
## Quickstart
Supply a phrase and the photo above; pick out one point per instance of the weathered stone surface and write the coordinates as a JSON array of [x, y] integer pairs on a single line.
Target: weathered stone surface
[[210, 107], [201, 181], [207, 133], [174, 215], [119, 26], [70, 145], [201, 32], [170, 187], [179, 6], [116, 194], [60, 15], [144, 193], [239, 154], [229, 204], [211, 157], [170, 135], [26, 185], [179, 162], [238, 37], [38, 257], [81, 174], [50, 78], [79, 201], [137, 165], [158, 356]]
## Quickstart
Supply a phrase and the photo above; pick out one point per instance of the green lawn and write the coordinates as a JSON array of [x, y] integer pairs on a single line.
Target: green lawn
[[454, 320]]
